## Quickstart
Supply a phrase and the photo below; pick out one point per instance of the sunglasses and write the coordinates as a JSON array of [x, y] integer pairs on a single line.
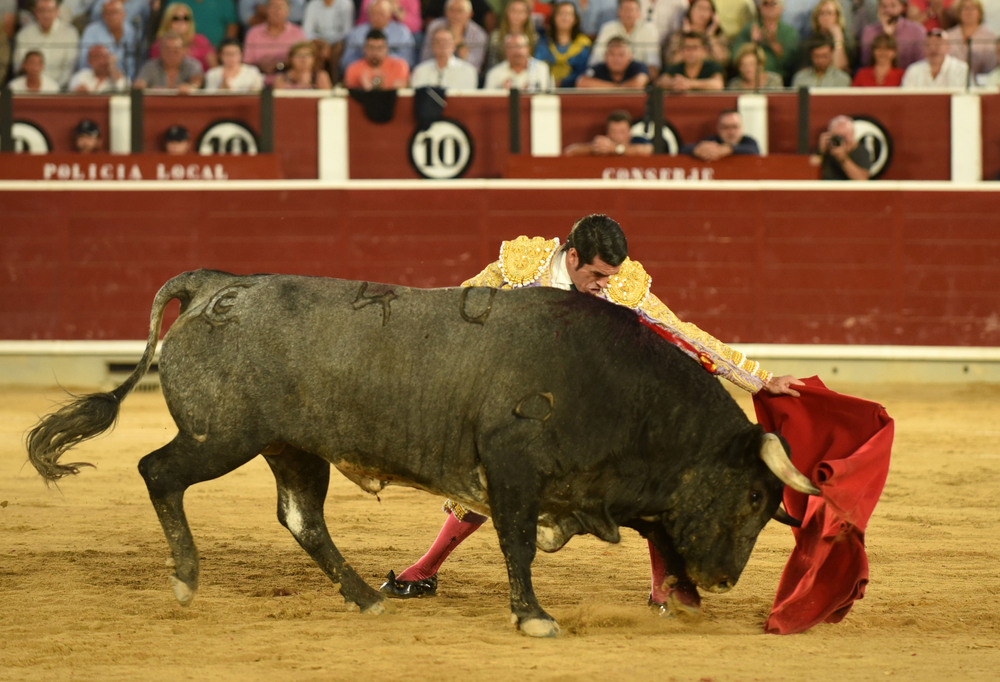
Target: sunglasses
[[181, 18]]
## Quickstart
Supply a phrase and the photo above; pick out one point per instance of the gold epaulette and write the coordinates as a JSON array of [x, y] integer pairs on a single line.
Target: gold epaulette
[[490, 277], [523, 260], [629, 286]]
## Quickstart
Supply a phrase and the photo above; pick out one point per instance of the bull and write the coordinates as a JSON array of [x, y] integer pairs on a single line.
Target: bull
[[554, 412]]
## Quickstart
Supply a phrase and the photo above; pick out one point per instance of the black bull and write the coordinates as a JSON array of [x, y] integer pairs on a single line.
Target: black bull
[[556, 413]]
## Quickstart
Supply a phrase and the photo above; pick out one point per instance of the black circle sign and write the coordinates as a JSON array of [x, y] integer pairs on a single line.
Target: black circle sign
[[227, 137], [443, 151]]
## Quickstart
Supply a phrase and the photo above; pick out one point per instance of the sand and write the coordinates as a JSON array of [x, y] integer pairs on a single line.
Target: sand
[[83, 576]]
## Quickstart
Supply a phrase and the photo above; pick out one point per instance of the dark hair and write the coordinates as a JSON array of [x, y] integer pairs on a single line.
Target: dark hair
[[598, 235], [575, 30], [695, 35], [818, 42], [887, 41], [726, 112], [619, 115], [226, 42], [375, 34]]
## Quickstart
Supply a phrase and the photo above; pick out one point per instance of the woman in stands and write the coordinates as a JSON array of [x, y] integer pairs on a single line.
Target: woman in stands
[[232, 75], [178, 18], [565, 48], [302, 73], [884, 70]]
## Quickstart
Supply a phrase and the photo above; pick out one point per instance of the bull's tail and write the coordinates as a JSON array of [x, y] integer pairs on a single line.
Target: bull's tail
[[91, 415]]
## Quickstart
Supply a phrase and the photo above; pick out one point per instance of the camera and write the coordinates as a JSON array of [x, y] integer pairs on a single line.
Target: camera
[[836, 140]]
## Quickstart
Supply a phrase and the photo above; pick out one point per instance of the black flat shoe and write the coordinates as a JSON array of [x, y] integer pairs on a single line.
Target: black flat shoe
[[407, 589]]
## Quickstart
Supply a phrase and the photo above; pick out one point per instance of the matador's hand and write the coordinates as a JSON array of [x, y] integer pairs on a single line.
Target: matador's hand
[[783, 385]]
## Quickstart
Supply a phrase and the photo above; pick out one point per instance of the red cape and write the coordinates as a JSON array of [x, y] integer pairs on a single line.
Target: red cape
[[842, 444]]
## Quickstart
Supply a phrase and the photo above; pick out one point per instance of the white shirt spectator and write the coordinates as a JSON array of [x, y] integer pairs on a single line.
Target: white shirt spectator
[[535, 78], [20, 86], [644, 41], [59, 46], [328, 22], [457, 74], [248, 79], [953, 74], [89, 82]]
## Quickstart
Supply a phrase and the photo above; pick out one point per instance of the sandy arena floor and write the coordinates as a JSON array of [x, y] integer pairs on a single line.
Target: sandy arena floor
[[85, 596]]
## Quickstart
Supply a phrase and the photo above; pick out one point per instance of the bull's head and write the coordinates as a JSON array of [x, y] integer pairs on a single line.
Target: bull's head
[[720, 507]]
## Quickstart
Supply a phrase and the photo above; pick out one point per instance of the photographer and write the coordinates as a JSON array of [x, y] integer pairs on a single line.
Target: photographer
[[839, 156]]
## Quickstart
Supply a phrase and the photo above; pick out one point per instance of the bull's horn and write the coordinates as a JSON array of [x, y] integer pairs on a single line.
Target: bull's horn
[[781, 516], [776, 459]]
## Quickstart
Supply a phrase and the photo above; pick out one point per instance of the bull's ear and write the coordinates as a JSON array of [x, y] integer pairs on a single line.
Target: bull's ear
[[781, 516]]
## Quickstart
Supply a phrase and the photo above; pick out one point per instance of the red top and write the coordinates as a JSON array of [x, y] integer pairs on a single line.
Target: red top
[[865, 78]]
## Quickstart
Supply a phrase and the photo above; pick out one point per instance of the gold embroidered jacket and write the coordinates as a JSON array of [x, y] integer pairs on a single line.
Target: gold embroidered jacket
[[526, 262]]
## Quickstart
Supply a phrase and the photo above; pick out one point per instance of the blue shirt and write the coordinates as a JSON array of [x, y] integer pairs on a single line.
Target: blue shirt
[[125, 51]]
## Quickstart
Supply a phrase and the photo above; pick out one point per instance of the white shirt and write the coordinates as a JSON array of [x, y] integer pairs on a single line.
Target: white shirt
[[87, 79], [953, 74], [58, 46], [457, 74], [644, 40], [248, 79], [328, 23], [535, 78], [20, 86]]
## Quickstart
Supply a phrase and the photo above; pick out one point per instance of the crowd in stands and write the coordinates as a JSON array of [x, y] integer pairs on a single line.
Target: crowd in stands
[[50, 46]]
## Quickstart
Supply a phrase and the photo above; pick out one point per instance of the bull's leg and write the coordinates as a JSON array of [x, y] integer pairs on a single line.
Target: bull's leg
[[170, 471], [514, 504], [303, 479], [672, 588]]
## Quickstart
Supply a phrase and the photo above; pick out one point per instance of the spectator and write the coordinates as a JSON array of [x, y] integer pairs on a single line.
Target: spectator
[[406, 12], [565, 48], [398, 37], [827, 23], [55, 39], [482, 13], [596, 13], [111, 31], [179, 19], [993, 77], [232, 75], [667, 17], [471, 39], [444, 69], [839, 156], [619, 70], [970, 27], [215, 20], [750, 73], [267, 44], [177, 141], [821, 73], [377, 69], [33, 80], [302, 72], [254, 12], [909, 35], [779, 41], [515, 18], [735, 16], [520, 70], [640, 33], [728, 140], [699, 18], [884, 70], [939, 69], [696, 72], [87, 137], [326, 24], [137, 14], [931, 13], [172, 70], [101, 74], [616, 140]]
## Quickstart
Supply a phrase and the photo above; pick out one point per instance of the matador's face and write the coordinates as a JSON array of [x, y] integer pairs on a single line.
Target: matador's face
[[591, 278]]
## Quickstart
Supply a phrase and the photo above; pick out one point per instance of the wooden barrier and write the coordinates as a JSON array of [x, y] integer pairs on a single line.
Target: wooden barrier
[[679, 168]]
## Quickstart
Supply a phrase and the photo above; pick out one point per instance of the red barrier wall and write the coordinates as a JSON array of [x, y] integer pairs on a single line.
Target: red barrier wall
[[771, 265]]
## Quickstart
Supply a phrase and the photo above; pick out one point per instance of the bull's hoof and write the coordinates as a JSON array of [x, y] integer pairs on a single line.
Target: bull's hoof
[[182, 591], [376, 609], [537, 627], [678, 603]]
